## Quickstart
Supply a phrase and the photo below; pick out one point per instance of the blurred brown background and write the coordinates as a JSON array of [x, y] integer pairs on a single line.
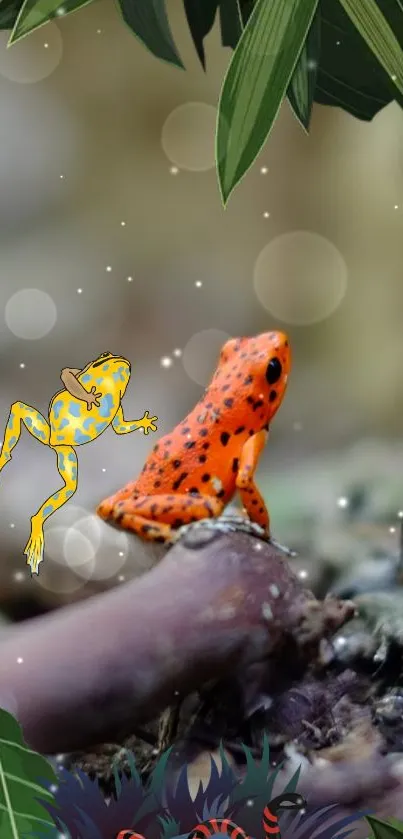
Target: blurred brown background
[[109, 204]]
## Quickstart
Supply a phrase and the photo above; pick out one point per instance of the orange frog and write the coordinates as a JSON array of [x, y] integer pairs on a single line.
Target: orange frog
[[193, 472]]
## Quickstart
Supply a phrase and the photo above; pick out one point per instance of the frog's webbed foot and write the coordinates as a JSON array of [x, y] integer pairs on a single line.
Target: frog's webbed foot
[[34, 547], [232, 524]]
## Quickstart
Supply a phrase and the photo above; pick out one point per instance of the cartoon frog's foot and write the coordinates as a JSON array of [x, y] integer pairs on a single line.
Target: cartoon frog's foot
[[34, 547], [148, 423]]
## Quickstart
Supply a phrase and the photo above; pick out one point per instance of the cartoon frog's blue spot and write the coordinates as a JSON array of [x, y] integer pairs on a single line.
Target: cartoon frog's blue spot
[[69, 492], [79, 437], [100, 427], [106, 405], [63, 423], [10, 420], [88, 422], [48, 510], [60, 437], [74, 473], [38, 432], [56, 496], [12, 441], [60, 461], [105, 367], [28, 421], [86, 378], [57, 407], [74, 409], [99, 381], [72, 457]]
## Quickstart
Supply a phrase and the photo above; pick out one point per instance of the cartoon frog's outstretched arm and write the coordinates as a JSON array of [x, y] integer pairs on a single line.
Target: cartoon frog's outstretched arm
[[122, 426], [71, 383]]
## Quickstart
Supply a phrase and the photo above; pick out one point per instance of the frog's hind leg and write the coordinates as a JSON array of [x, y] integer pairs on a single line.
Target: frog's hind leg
[[68, 469], [34, 422]]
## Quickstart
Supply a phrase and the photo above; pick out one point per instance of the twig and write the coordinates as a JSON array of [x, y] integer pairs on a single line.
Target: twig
[[215, 604]]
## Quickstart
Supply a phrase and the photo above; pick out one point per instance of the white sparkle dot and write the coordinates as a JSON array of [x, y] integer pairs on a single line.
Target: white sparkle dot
[[123, 224], [99, 31], [18, 576], [103, 469], [130, 279], [400, 514], [109, 268], [312, 64], [198, 283], [60, 758], [53, 788], [394, 77], [338, 43], [22, 365], [264, 170], [121, 578], [79, 291], [121, 553], [266, 214], [60, 11], [12, 524], [176, 693], [257, 546], [341, 641], [174, 170], [20, 660], [166, 361], [392, 530], [302, 574], [396, 206], [342, 503], [249, 802], [61, 177], [177, 353], [46, 46]]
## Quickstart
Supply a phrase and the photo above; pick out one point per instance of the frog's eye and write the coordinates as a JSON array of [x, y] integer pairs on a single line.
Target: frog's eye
[[274, 371]]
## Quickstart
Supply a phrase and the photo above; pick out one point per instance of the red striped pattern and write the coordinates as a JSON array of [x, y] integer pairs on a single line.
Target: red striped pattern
[[212, 826]]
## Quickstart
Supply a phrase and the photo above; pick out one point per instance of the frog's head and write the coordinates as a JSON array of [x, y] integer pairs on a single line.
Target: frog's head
[[257, 369], [116, 365]]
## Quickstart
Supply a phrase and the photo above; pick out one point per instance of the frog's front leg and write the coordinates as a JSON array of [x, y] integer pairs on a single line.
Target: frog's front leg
[[68, 469], [122, 426], [245, 481], [34, 422], [155, 518]]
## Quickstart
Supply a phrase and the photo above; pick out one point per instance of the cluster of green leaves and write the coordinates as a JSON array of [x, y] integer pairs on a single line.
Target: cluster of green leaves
[[25, 776], [346, 53]]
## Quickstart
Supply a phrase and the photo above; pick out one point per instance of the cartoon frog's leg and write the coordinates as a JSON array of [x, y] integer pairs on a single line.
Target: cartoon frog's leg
[[34, 422], [122, 426], [245, 480], [67, 468], [154, 517]]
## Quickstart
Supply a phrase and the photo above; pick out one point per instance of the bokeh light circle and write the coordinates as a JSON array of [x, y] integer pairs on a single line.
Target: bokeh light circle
[[188, 136], [300, 277], [109, 549], [33, 58], [200, 355], [30, 314]]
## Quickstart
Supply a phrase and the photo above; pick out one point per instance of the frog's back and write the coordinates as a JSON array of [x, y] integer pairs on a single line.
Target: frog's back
[[72, 423]]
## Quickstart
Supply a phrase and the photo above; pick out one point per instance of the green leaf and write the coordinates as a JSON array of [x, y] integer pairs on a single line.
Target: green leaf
[[148, 20], [349, 75], [20, 769], [230, 23], [384, 830], [374, 28], [256, 82], [301, 90], [9, 12], [200, 17], [35, 13]]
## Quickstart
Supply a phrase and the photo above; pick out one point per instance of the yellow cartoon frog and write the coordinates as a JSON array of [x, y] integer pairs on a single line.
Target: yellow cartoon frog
[[91, 401]]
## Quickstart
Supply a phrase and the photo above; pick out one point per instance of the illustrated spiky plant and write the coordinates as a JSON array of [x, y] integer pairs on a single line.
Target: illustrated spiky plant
[[164, 808]]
